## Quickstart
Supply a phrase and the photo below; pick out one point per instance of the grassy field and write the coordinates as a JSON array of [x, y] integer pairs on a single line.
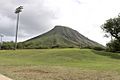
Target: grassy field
[[60, 64]]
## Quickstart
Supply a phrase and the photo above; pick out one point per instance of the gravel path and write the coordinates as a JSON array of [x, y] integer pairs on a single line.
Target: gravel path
[[2, 77]]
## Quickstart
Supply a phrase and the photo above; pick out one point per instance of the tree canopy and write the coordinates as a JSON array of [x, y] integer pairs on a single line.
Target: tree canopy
[[112, 26]]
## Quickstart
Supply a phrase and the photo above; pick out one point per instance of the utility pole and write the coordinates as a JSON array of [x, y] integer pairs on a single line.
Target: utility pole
[[17, 11], [1, 42]]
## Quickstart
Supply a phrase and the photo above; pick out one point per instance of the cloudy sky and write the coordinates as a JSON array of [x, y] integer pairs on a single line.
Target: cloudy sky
[[39, 16]]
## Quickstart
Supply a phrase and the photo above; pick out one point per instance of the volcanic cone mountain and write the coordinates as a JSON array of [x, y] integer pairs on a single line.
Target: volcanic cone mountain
[[60, 37]]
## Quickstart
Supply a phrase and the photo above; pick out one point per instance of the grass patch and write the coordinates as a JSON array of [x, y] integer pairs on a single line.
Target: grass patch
[[109, 54], [59, 64]]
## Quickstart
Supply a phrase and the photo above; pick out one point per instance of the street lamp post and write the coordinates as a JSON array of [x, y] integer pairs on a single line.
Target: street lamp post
[[1, 35], [17, 11]]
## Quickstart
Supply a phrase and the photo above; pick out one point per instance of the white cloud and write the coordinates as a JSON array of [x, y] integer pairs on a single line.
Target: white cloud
[[38, 16], [88, 16]]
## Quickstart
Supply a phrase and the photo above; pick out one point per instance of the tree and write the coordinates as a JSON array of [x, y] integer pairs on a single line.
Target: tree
[[113, 46], [8, 45], [112, 26]]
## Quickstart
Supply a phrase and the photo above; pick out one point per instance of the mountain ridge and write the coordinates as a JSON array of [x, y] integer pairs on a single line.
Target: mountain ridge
[[61, 36]]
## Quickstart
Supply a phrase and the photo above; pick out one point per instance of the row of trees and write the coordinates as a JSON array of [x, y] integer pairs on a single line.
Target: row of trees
[[8, 45], [11, 45], [22, 45]]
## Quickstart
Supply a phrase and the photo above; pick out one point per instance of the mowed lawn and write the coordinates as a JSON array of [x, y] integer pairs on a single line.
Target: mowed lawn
[[60, 64]]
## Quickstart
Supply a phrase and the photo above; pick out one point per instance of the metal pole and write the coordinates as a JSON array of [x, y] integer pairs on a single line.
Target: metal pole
[[17, 25], [1, 44], [111, 38]]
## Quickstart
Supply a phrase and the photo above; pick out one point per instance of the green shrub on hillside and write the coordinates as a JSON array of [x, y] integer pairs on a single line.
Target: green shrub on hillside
[[113, 46]]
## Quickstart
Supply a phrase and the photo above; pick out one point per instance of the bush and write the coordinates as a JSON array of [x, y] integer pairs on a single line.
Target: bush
[[8, 45], [113, 46], [99, 48]]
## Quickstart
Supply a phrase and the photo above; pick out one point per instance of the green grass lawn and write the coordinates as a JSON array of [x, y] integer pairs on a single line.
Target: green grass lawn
[[60, 64]]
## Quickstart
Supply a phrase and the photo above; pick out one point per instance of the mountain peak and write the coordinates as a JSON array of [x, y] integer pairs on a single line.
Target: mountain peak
[[61, 36], [59, 27]]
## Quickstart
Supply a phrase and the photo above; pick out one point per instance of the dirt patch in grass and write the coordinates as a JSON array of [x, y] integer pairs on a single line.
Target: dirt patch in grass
[[31, 71], [58, 73]]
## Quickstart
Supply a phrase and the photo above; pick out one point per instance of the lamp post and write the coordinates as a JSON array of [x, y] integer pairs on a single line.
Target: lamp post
[[17, 11], [1, 35]]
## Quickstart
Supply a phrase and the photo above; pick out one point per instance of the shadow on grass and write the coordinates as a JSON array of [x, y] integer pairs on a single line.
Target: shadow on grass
[[109, 54]]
